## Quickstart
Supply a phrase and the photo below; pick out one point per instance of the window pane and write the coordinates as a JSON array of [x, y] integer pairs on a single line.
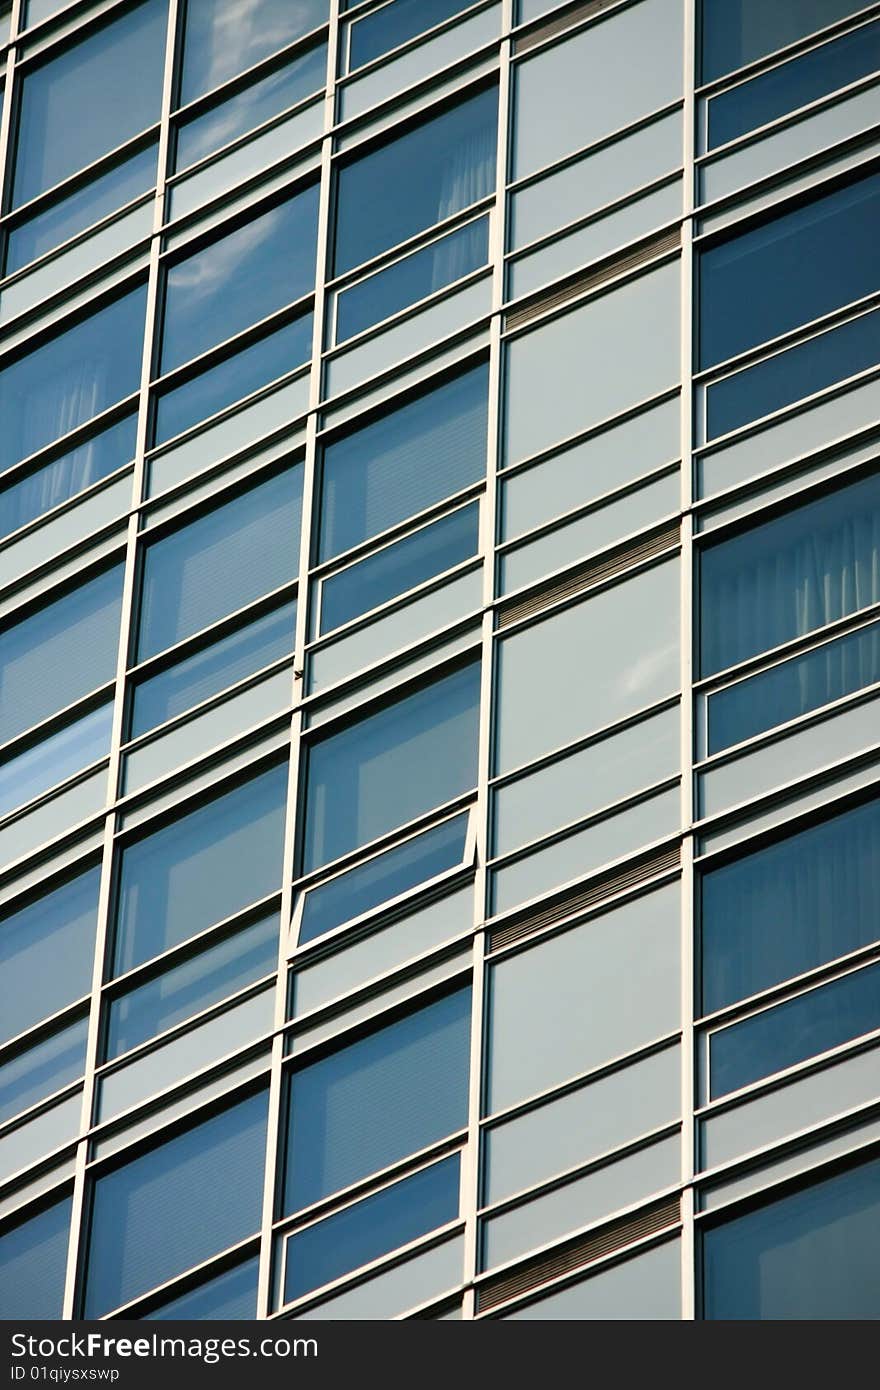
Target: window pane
[[393, 24], [777, 581], [393, 1093], [52, 939], [55, 758], [374, 1227], [736, 32], [228, 1297], [360, 781], [239, 279], [213, 668], [91, 97], [201, 868], [230, 556], [445, 164], [64, 477], [762, 283], [72, 377], [812, 1254], [223, 37], [33, 1263], [383, 878], [43, 1069], [176, 1205], [59, 653], [790, 907], [375, 477]]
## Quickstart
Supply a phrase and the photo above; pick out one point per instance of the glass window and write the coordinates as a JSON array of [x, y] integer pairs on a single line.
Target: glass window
[[46, 1066], [360, 783], [55, 758], [33, 1264], [383, 878], [59, 653], [224, 37], [736, 32], [37, 492], [72, 377], [445, 163], [202, 867], [378, 32], [812, 1254], [392, 1093], [803, 569], [240, 278], [176, 1204], [226, 558], [644, 1288], [375, 477], [227, 1297], [363, 1232], [52, 940], [762, 283], [212, 668], [93, 96], [790, 907]]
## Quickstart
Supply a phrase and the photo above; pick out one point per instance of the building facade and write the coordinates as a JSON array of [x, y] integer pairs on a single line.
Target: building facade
[[439, 762]]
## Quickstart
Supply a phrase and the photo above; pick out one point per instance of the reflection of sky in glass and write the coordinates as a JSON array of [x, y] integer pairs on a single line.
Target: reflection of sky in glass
[[224, 37], [55, 758]]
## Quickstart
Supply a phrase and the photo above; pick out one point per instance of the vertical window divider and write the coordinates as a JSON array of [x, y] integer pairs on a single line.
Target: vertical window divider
[[6, 122]]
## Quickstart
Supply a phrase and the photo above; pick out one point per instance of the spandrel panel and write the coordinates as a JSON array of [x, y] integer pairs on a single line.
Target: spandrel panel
[[644, 1288]]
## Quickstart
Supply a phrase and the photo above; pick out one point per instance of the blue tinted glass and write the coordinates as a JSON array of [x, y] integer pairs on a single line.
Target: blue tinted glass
[[808, 567], [213, 668], [376, 477], [55, 758], [256, 103], [371, 1228], [383, 878], [186, 989], [794, 687], [790, 907], [228, 1297], [410, 280], [101, 196], [736, 32], [763, 282], [52, 939], [384, 29], [445, 164], [803, 1027], [399, 567], [240, 278], [90, 98], [801, 80], [789, 376], [59, 653], [223, 37], [64, 477], [43, 1069], [201, 868], [227, 558], [72, 377], [360, 781], [175, 1205], [33, 1264], [364, 1107], [233, 379], [810, 1255]]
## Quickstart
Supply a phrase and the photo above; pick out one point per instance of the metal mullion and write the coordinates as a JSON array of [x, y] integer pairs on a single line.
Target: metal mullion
[[6, 122], [77, 1241]]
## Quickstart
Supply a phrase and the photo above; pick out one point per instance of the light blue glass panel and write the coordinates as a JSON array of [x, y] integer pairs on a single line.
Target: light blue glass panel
[[228, 557], [223, 37], [257, 102], [228, 1297], [43, 1069], [371, 884], [363, 1232], [212, 668], [360, 781], [736, 32], [383, 29], [64, 477], [445, 164], [375, 477], [644, 1288], [92, 96], [176, 1204], [240, 278], [201, 868], [55, 758], [59, 653], [367, 1105], [33, 1263], [72, 377], [51, 939], [412, 279]]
